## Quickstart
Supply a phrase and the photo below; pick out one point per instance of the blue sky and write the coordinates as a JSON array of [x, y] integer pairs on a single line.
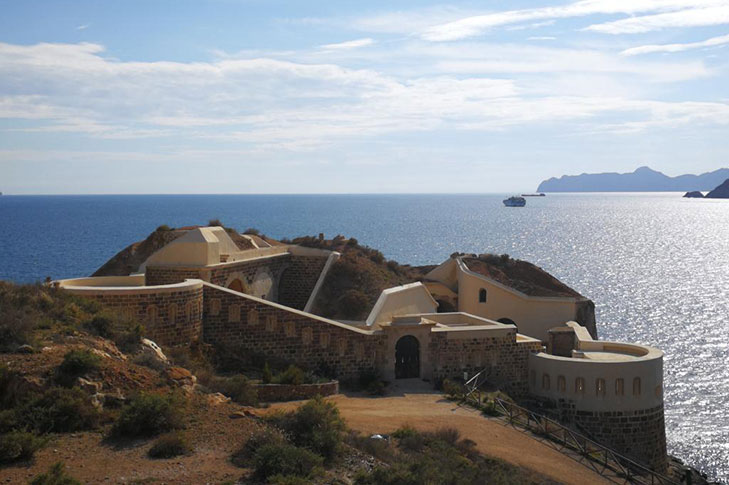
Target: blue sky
[[235, 96]]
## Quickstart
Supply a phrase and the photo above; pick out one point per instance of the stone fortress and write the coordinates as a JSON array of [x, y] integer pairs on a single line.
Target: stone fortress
[[458, 321]]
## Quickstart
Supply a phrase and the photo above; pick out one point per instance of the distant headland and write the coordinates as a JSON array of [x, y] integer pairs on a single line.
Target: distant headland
[[643, 179]]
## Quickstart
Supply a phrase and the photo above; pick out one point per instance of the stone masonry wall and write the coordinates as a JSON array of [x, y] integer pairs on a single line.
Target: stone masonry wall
[[169, 318], [639, 435], [168, 275], [266, 329], [298, 280], [294, 276], [505, 360]]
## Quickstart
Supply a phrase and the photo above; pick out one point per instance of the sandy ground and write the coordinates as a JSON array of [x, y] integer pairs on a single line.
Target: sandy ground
[[415, 403]]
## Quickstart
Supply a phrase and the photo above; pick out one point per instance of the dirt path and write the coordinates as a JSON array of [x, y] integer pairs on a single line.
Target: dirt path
[[417, 405]]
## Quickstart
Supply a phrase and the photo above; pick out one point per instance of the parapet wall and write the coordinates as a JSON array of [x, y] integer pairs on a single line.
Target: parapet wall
[[171, 314], [283, 277], [268, 329], [504, 359]]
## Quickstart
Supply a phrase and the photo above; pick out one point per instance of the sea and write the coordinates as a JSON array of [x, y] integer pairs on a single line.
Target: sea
[[655, 264]]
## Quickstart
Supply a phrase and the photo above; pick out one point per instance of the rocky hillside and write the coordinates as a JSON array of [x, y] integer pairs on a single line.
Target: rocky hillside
[[356, 280]]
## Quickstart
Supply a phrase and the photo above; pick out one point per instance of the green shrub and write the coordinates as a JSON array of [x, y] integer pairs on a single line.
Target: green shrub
[[18, 445], [447, 435], [170, 446], [409, 439], [125, 332], [315, 425], [243, 457], [398, 474], [77, 363], [452, 389], [215, 222], [292, 375], [163, 228], [58, 410], [267, 374], [56, 475], [285, 459], [149, 415], [252, 231], [288, 480], [12, 390], [238, 388]]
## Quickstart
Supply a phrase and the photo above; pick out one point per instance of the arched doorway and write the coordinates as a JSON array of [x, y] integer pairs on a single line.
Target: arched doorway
[[508, 321], [407, 358], [236, 285]]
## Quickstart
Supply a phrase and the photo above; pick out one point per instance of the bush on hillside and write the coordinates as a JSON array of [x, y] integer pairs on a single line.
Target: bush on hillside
[[238, 388], [56, 475], [18, 446], [169, 446], [315, 425], [243, 457], [285, 460], [439, 457], [149, 415], [77, 363], [58, 410], [125, 332]]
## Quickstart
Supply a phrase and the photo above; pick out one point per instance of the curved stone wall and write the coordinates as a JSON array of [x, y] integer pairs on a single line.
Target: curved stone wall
[[171, 314], [616, 397]]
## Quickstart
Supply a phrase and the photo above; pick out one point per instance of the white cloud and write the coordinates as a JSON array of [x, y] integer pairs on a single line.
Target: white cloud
[[647, 49], [477, 25], [351, 44], [261, 104], [541, 37], [83, 27], [695, 17]]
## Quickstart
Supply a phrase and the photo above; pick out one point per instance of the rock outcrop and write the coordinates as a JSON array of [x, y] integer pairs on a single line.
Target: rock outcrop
[[721, 192], [694, 194]]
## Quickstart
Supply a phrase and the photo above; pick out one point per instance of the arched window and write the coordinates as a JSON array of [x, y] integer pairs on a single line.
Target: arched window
[[600, 387], [561, 384], [636, 386], [545, 382], [619, 387], [580, 385], [482, 295]]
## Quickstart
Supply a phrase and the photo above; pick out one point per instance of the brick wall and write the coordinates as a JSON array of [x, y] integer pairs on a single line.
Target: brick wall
[[505, 360], [270, 330], [294, 276], [639, 435], [170, 318], [298, 280]]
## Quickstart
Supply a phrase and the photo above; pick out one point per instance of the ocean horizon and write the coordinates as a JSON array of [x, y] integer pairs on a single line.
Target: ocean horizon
[[654, 263]]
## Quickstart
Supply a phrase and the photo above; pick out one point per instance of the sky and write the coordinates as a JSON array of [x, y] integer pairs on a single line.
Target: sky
[[238, 96]]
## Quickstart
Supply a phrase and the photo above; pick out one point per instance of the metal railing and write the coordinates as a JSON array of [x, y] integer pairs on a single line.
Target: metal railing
[[601, 459]]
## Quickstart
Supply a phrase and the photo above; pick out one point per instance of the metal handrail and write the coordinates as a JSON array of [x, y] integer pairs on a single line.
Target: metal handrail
[[603, 460]]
